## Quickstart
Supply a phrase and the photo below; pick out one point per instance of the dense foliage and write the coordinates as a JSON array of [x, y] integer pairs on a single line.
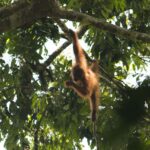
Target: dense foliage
[[38, 112]]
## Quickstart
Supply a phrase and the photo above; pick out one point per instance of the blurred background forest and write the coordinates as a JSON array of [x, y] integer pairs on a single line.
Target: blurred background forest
[[37, 112]]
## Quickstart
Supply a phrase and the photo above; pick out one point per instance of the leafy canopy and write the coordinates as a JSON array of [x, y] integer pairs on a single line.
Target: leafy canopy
[[37, 112]]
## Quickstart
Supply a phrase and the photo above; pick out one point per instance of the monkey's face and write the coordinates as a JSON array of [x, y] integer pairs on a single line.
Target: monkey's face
[[77, 74]]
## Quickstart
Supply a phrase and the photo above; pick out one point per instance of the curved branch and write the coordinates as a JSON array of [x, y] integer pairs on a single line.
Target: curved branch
[[101, 24]]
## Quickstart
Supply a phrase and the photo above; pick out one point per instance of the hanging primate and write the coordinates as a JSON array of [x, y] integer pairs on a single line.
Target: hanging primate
[[84, 79]]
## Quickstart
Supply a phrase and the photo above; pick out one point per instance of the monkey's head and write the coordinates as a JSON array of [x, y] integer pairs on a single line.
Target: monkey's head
[[78, 74]]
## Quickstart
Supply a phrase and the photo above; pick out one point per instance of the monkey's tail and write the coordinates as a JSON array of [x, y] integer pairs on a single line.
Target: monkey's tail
[[94, 105], [94, 128], [95, 135]]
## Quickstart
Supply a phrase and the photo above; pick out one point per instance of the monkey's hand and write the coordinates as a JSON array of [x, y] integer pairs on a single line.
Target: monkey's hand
[[69, 83], [71, 32]]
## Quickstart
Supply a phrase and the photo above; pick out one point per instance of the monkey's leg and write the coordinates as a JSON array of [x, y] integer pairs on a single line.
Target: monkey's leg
[[81, 90], [68, 83]]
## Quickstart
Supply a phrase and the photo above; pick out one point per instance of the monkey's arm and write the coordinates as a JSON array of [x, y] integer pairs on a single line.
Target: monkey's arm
[[81, 90], [78, 51]]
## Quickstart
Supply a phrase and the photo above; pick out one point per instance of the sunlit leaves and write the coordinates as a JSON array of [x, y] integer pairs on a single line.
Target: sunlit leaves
[[60, 117]]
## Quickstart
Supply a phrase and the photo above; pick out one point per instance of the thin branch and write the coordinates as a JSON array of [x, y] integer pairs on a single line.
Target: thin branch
[[110, 80], [81, 31], [56, 53], [62, 25]]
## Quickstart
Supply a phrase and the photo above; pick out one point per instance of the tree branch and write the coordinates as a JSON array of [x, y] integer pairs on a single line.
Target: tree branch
[[103, 25], [6, 11], [24, 12], [56, 53], [21, 13]]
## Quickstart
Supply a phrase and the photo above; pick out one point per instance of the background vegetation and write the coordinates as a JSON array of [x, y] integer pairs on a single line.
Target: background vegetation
[[37, 112]]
